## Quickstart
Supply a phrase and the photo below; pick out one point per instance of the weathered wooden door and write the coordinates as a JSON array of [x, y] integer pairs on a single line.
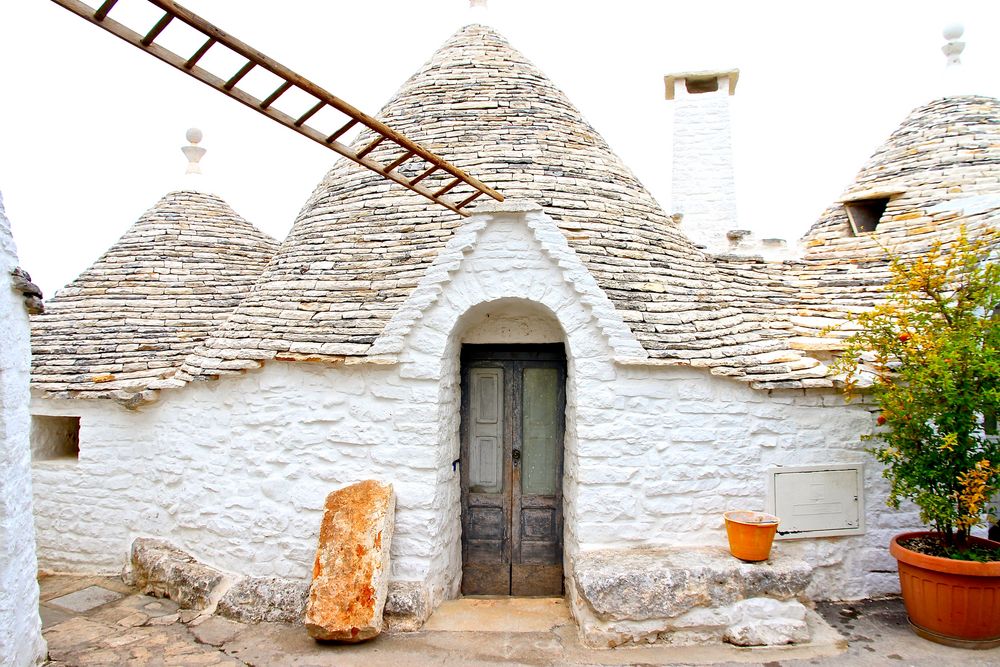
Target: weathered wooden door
[[513, 412]]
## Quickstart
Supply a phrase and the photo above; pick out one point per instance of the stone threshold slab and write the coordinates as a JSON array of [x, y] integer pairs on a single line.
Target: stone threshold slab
[[499, 614]]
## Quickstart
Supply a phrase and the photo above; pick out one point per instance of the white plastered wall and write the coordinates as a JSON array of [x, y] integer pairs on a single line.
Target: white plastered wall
[[20, 627], [235, 471]]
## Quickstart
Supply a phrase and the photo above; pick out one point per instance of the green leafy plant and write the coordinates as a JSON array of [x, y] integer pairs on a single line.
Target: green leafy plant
[[932, 353]]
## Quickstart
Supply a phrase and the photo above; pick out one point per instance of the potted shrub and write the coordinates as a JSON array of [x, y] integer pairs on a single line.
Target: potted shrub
[[931, 352]]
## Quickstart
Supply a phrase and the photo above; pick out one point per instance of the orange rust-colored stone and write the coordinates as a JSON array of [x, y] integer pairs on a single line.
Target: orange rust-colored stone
[[351, 571]]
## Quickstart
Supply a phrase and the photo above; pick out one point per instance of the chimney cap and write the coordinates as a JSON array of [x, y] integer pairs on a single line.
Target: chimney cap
[[733, 75]]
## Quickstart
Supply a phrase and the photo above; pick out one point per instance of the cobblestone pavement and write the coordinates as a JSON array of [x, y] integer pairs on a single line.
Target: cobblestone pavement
[[100, 621]]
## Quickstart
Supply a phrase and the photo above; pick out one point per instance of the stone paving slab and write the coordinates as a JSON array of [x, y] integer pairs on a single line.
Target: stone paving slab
[[139, 631], [52, 616], [86, 599]]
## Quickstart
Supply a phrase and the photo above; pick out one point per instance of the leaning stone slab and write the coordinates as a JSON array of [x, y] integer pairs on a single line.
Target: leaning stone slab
[[687, 595], [161, 569], [265, 600], [351, 570]]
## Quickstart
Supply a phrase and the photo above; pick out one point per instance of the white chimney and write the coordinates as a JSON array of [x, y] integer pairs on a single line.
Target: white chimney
[[704, 187]]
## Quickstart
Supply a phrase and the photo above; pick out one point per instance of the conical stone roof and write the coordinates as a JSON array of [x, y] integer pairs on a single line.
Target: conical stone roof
[[129, 320], [360, 244]]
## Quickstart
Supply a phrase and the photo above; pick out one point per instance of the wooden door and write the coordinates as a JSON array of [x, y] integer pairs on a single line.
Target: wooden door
[[513, 407]]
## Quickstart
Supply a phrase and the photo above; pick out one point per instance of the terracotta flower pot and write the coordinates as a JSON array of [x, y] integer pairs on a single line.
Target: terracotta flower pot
[[953, 602], [750, 534]]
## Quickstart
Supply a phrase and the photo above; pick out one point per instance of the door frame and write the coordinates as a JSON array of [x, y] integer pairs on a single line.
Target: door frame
[[482, 355]]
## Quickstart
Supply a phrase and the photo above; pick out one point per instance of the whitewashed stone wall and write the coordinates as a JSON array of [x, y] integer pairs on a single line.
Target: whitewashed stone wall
[[235, 471], [703, 181], [20, 627]]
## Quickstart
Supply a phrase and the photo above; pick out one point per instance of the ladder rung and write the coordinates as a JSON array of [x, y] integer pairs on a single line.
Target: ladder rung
[[395, 163], [281, 90], [157, 29], [102, 12], [239, 75], [309, 114], [425, 174], [193, 60], [447, 187], [339, 133], [370, 147], [468, 200]]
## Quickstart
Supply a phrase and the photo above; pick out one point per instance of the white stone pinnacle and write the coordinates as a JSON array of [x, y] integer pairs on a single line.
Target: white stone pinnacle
[[955, 80], [193, 179], [478, 11], [193, 152], [953, 49]]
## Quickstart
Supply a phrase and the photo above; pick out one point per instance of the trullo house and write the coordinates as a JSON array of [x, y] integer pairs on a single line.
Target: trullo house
[[565, 391]]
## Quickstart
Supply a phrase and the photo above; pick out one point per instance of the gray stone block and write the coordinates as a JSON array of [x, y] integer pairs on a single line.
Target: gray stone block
[[160, 569], [407, 606], [265, 600]]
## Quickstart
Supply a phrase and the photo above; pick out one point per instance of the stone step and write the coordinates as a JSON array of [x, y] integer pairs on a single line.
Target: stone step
[[691, 595]]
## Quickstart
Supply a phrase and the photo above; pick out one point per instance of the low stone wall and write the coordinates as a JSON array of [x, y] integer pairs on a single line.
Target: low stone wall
[[161, 569], [688, 596]]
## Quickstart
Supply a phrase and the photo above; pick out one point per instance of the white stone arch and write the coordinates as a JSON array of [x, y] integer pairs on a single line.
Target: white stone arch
[[512, 262]]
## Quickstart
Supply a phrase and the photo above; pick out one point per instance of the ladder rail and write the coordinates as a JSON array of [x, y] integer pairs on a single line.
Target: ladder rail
[[255, 58]]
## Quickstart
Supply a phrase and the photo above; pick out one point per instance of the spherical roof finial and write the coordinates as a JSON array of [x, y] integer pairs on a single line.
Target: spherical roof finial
[[953, 31]]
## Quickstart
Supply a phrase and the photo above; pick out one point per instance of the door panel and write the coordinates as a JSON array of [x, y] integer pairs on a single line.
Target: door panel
[[540, 401], [486, 508], [536, 564], [513, 405], [486, 424]]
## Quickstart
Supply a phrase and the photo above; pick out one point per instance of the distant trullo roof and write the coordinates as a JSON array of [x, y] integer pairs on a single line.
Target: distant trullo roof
[[130, 319], [360, 245], [940, 171], [946, 150]]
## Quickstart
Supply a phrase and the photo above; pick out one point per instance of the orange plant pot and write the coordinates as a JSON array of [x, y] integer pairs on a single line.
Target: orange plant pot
[[750, 534], [954, 602]]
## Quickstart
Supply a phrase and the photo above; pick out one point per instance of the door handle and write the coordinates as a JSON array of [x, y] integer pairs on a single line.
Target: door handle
[[516, 455]]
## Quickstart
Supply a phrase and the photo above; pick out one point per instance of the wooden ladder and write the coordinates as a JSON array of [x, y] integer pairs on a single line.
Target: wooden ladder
[[406, 151]]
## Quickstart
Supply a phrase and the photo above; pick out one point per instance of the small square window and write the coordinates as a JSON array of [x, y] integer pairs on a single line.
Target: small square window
[[55, 438], [864, 214]]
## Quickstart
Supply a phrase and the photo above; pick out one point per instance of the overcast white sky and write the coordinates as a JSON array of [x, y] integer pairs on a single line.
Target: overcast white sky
[[90, 127]]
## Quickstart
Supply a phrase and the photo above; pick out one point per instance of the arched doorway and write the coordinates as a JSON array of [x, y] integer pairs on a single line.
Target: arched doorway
[[512, 435]]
